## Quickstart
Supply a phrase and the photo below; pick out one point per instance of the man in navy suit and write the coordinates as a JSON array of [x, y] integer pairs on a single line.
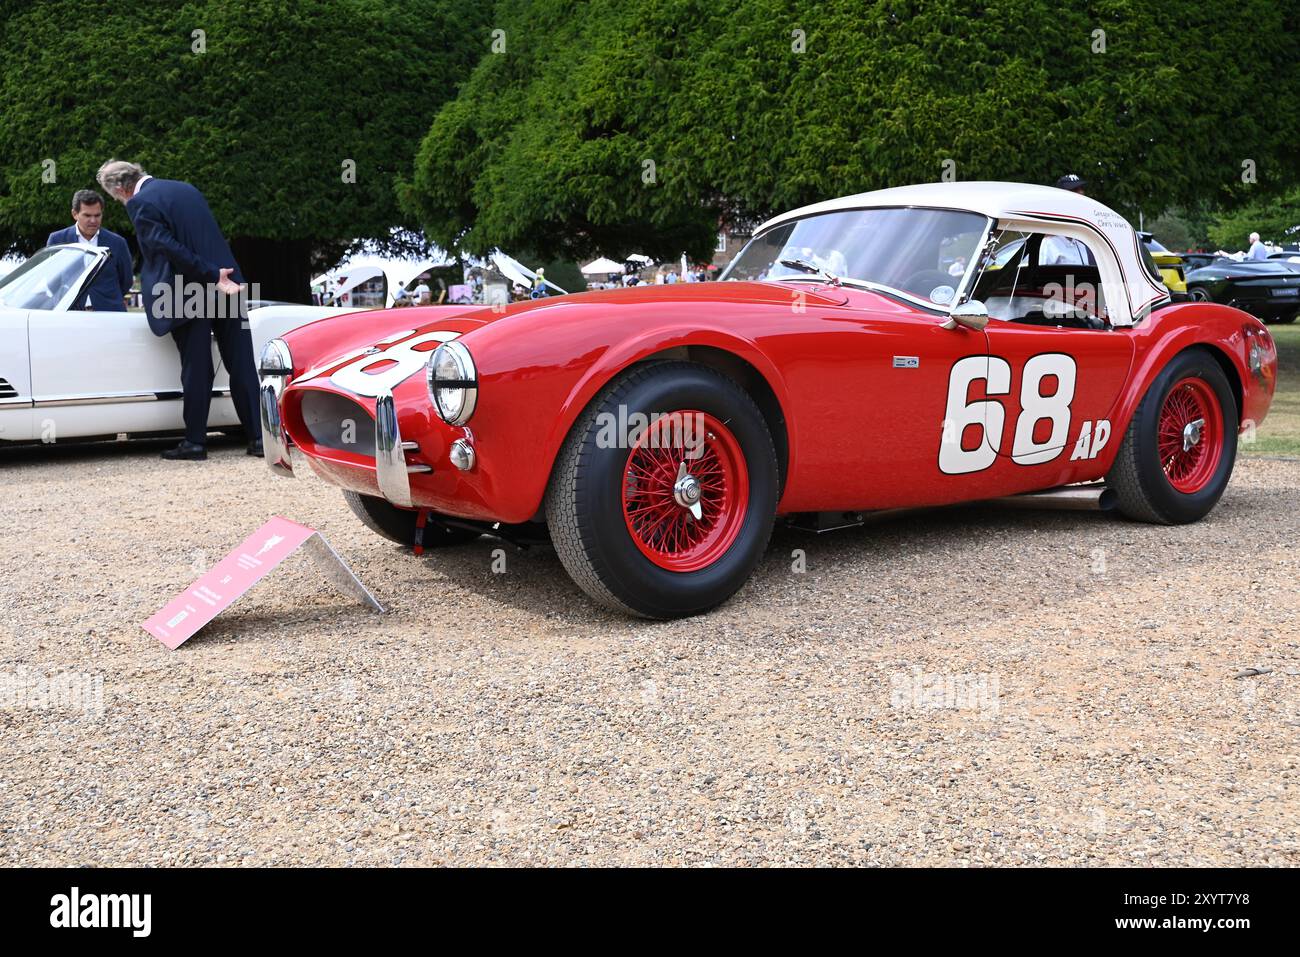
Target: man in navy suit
[[112, 284], [191, 286]]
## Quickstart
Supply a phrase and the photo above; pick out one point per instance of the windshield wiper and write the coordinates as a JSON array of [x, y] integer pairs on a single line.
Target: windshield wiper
[[867, 285], [804, 265]]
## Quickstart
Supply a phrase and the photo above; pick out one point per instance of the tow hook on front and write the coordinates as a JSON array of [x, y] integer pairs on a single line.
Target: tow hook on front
[[421, 520]]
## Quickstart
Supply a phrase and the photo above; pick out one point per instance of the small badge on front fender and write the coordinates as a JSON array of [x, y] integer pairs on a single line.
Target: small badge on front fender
[[907, 362]]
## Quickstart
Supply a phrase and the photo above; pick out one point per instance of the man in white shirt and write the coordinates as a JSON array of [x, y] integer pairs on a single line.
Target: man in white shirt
[[1257, 249], [112, 284], [1063, 251]]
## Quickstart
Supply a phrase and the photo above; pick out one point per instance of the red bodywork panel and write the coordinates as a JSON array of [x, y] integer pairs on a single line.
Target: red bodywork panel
[[864, 382]]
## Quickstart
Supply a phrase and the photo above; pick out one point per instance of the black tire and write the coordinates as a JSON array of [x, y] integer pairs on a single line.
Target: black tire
[[398, 524], [585, 498], [1198, 294], [1144, 491]]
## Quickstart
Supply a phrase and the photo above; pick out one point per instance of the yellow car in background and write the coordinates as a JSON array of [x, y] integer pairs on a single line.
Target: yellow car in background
[[1170, 265]]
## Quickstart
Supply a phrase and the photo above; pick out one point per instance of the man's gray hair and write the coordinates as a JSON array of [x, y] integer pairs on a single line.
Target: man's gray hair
[[86, 197], [119, 174]]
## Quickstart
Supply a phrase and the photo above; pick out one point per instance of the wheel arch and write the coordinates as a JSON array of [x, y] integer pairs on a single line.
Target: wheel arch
[[1229, 370], [744, 374], [1212, 328], [740, 361]]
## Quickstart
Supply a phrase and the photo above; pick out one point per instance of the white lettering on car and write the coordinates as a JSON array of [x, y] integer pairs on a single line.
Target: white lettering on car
[[989, 414], [384, 371]]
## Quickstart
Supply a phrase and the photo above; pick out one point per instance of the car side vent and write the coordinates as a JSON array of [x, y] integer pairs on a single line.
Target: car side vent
[[6, 390]]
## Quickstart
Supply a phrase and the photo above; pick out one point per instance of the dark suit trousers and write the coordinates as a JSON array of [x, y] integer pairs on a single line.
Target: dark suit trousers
[[235, 345]]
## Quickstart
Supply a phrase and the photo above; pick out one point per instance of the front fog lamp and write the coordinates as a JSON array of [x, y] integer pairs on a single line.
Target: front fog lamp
[[275, 359], [453, 383]]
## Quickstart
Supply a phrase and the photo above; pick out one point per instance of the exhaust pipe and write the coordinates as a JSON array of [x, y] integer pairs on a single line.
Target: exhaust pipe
[[1069, 498]]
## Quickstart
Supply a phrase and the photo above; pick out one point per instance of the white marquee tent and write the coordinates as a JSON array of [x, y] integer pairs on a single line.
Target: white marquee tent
[[601, 267], [397, 274]]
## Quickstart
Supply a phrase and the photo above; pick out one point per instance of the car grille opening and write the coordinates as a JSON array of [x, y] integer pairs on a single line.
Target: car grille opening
[[336, 422], [6, 390]]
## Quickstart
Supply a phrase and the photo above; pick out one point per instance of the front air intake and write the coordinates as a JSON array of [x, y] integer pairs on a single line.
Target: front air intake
[[336, 422]]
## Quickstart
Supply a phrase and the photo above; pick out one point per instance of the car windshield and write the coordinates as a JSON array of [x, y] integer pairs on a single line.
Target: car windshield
[[921, 253], [44, 280]]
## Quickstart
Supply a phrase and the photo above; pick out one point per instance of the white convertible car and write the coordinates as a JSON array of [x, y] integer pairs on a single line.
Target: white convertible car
[[69, 373]]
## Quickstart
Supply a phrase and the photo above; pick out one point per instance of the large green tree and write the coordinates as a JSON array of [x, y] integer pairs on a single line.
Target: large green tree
[[1276, 219], [293, 117], [747, 107]]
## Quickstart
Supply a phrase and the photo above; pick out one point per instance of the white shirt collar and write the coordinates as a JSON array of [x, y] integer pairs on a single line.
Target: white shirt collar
[[92, 241], [140, 182]]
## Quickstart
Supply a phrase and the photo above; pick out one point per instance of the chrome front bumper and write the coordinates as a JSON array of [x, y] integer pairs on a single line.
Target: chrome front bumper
[[275, 444], [390, 459], [391, 469]]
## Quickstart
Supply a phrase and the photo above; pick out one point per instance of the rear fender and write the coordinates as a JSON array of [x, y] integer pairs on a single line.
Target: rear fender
[[1220, 329]]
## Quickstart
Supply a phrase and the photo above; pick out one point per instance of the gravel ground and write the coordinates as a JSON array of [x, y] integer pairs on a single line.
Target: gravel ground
[[967, 686]]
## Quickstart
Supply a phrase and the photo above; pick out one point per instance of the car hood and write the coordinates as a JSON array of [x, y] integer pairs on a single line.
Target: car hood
[[680, 293], [377, 331]]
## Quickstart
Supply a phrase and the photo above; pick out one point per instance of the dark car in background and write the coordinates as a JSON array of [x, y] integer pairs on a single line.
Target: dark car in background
[[1267, 289], [1199, 260]]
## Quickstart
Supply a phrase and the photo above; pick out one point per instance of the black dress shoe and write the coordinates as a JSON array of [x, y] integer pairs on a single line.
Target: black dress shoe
[[188, 451], [255, 448]]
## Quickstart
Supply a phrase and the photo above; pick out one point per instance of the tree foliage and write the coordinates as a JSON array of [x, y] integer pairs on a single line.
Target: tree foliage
[[748, 107], [261, 110], [1276, 219], [1172, 230]]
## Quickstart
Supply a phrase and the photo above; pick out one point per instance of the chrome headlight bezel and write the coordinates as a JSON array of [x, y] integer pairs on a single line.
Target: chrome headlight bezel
[[452, 381], [276, 360]]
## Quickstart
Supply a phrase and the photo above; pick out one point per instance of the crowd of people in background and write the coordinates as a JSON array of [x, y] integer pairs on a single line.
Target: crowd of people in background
[[667, 276], [662, 276]]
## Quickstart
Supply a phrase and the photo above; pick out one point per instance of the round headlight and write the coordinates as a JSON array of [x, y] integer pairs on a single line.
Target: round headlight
[[453, 383], [275, 359]]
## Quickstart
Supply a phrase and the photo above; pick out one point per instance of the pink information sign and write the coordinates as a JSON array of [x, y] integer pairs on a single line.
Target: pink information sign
[[217, 589]]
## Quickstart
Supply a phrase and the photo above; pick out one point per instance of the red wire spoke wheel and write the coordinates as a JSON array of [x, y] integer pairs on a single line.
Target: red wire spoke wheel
[[1180, 445], [667, 517], [681, 459], [1190, 437]]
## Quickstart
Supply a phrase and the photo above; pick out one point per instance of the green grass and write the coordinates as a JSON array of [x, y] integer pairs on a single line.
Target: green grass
[[1279, 433]]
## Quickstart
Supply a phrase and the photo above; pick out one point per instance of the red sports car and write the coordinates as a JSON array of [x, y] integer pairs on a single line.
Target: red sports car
[[911, 347]]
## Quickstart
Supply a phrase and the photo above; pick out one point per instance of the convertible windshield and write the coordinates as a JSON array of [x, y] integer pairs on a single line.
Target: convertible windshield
[[44, 280], [923, 253]]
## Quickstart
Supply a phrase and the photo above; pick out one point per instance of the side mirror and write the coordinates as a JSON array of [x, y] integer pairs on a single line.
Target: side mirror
[[972, 314]]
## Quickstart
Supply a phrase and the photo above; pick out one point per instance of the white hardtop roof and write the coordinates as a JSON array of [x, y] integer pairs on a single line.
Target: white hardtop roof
[[1026, 206], [998, 200]]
